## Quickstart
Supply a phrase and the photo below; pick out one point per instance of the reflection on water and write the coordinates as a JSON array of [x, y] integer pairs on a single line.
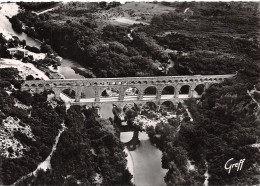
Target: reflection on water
[[66, 69], [106, 110], [126, 136], [88, 93], [146, 163]]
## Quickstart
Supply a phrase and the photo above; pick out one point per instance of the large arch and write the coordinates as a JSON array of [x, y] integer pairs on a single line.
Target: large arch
[[69, 93], [109, 94], [149, 106], [131, 93], [168, 92], [50, 94], [150, 93], [129, 105], [184, 91], [87, 94], [199, 90], [167, 106]]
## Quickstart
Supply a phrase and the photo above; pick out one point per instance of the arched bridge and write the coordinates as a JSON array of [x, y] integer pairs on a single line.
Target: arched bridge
[[95, 91]]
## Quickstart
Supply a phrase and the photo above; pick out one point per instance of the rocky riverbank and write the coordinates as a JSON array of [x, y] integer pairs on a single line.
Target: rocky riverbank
[[15, 48]]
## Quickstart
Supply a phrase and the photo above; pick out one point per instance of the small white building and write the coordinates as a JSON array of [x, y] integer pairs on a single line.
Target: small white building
[[22, 52], [18, 51], [12, 51]]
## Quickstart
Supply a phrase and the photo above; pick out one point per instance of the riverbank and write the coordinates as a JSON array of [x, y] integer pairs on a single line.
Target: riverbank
[[25, 69], [9, 9], [43, 63], [147, 163], [130, 164], [144, 163]]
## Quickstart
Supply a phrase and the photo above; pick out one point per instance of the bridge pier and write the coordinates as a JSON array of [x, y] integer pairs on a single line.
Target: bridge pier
[[177, 92], [57, 92], [98, 111], [97, 96], [159, 94], [121, 94], [121, 97], [140, 96], [191, 90], [158, 104], [78, 94], [207, 85], [38, 90], [97, 99], [77, 99]]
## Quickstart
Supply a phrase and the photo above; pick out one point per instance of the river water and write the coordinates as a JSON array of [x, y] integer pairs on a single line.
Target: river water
[[66, 69], [145, 161], [147, 169], [10, 10], [6, 28]]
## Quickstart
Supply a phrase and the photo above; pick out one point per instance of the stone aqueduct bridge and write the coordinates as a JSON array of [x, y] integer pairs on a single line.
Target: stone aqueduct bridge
[[98, 85]]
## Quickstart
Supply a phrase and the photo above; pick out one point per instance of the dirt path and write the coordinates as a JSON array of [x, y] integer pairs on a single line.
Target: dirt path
[[250, 94], [45, 164]]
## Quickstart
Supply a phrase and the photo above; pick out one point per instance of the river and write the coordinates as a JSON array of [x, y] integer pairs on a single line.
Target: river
[[10, 10], [6, 28], [145, 161], [66, 69]]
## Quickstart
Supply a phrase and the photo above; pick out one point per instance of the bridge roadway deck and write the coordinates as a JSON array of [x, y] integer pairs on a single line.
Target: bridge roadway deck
[[131, 80], [128, 99]]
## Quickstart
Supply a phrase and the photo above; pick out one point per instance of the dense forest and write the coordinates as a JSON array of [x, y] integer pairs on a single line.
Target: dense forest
[[42, 119], [88, 143], [218, 38], [226, 124], [88, 153], [37, 6]]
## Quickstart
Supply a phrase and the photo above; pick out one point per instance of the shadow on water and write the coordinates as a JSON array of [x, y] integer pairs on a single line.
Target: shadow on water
[[146, 160], [134, 142], [67, 69]]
